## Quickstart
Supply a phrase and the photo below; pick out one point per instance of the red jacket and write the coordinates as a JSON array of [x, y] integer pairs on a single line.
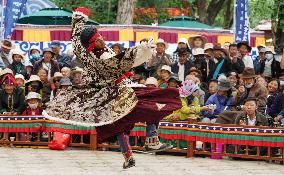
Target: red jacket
[[28, 111]]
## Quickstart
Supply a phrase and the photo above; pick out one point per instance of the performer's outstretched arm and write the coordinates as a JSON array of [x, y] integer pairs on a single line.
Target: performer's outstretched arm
[[78, 21]]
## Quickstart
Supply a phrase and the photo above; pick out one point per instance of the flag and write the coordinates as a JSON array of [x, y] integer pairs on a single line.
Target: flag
[[13, 11], [242, 21]]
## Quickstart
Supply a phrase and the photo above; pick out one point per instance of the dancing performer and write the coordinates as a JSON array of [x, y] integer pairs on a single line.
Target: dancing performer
[[102, 100]]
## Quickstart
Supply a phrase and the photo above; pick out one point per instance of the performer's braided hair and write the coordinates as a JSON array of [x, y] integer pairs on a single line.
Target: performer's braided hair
[[87, 34]]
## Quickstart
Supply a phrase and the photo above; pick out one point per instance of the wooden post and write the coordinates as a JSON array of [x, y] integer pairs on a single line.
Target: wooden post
[[190, 149], [93, 142]]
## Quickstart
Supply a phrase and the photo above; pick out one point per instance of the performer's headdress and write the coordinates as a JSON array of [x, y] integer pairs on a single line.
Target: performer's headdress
[[88, 37]]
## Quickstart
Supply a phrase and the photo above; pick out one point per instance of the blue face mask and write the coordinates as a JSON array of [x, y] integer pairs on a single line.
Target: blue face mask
[[35, 55]]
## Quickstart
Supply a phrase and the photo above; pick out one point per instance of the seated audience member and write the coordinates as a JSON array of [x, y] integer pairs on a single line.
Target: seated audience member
[[20, 79], [212, 89], [34, 55], [66, 72], [165, 74], [29, 68], [117, 48], [12, 100], [182, 45], [182, 67], [200, 93], [17, 66], [190, 105], [47, 87], [270, 67], [34, 84], [196, 42], [174, 82], [77, 76], [62, 59], [33, 100], [64, 84], [280, 118], [251, 89], [237, 63], [223, 64], [251, 116], [210, 65], [56, 81], [194, 71], [273, 92], [222, 99], [244, 49], [151, 82], [159, 59], [48, 63], [259, 60]]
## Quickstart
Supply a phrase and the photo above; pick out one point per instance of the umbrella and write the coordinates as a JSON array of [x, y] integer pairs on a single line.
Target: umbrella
[[51, 16], [185, 21]]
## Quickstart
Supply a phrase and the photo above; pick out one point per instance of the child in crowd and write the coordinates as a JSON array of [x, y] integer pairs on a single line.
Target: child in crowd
[[174, 82]]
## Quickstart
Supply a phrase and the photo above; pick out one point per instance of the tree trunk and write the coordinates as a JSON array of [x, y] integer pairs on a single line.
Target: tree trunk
[[201, 6], [228, 16], [213, 9], [125, 11]]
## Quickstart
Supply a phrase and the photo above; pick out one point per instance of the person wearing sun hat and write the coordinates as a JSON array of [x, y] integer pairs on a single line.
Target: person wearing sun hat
[[12, 100], [244, 50], [47, 63], [56, 81], [223, 100], [76, 75], [34, 55], [164, 73], [6, 47], [270, 67], [251, 88], [20, 79], [33, 100], [17, 66], [34, 84], [174, 82], [197, 41], [182, 46], [159, 58]]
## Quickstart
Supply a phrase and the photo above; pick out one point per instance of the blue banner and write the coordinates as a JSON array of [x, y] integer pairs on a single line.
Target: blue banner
[[13, 10], [242, 21]]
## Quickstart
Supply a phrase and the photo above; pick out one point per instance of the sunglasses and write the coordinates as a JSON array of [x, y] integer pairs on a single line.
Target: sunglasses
[[54, 81]]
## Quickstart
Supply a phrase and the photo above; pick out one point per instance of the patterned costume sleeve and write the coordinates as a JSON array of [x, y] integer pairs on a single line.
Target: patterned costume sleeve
[[78, 22]]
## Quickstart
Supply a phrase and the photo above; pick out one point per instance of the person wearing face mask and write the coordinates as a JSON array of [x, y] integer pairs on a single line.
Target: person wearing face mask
[[33, 100], [270, 68], [251, 88], [34, 55], [17, 66]]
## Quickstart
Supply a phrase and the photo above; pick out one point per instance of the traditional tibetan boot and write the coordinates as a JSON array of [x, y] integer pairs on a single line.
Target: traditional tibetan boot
[[153, 144], [129, 161]]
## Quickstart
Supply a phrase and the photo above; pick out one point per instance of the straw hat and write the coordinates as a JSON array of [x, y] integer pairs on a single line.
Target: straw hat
[[34, 78], [57, 75], [270, 49], [17, 52], [161, 41], [7, 44], [33, 95], [167, 68], [191, 40], [77, 70], [208, 46]]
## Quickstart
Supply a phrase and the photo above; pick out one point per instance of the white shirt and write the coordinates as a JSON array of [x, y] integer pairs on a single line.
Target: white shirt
[[248, 61], [251, 122], [181, 72]]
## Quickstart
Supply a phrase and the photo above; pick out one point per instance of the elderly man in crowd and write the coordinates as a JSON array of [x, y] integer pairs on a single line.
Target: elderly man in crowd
[[63, 59], [5, 60], [251, 89], [182, 67], [47, 63], [159, 59], [76, 75]]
